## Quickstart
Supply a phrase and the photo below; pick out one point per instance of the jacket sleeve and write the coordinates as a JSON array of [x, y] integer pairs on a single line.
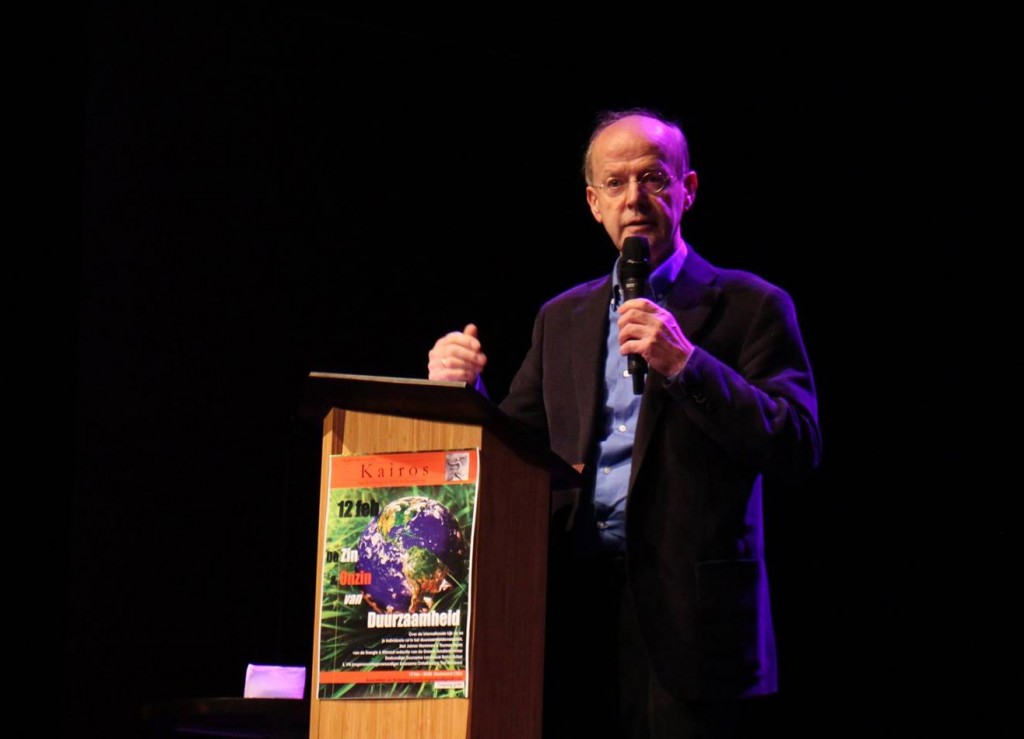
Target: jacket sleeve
[[525, 399], [762, 410]]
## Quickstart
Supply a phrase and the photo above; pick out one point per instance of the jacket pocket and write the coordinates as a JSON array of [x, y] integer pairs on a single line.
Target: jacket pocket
[[728, 618]]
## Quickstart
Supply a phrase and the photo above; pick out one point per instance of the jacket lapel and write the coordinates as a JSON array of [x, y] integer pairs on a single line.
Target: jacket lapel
[[694, 295], [590, 327]]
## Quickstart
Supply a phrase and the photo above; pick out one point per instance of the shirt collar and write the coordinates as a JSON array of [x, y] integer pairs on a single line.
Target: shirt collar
[[661, 279]]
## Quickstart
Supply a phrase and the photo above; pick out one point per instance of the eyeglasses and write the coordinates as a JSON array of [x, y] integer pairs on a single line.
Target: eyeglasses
[[651, 182]]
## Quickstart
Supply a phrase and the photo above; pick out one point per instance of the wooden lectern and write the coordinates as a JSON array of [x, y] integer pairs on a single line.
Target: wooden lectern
[[374, 415]]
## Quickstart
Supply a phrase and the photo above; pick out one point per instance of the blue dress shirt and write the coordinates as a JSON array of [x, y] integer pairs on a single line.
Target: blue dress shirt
[[620, 413]]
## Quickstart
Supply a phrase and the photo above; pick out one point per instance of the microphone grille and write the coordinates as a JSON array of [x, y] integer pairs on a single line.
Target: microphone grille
[[636, 249]]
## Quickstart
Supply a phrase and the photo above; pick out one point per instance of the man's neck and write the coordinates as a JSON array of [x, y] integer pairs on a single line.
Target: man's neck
[[659, 256]]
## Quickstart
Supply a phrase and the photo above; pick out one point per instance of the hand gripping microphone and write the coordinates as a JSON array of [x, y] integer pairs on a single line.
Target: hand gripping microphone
[[634, 269]]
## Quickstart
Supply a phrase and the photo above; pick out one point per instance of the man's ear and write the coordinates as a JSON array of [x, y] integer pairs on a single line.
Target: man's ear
[[594, 203], [690, 183]]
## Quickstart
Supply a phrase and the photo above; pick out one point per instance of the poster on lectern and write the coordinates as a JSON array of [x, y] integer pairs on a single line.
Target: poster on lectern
[[394, 598]]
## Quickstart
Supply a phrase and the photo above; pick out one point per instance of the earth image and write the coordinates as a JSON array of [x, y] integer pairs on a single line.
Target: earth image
[[410, 550]]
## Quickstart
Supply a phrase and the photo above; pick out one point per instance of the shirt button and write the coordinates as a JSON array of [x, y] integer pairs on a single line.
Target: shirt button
[[602, 525], [606, 470], [625, 373], [622, 427]]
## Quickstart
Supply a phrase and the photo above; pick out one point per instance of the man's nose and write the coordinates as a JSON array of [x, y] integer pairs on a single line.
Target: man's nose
[[635, 195]]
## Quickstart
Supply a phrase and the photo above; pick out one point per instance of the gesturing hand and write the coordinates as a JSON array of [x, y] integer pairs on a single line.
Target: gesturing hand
[[456, 357]]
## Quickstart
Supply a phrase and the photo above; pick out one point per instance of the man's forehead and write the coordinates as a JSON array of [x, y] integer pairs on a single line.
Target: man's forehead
[[631, 139], [630, 156]]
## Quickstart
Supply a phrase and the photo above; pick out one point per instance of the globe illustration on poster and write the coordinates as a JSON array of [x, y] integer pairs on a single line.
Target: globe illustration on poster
[[412, 549]]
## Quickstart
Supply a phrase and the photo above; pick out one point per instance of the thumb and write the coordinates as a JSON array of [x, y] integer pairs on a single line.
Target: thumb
[[471, 330]]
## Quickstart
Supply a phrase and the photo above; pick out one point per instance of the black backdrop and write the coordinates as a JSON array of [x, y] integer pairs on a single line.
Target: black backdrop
[[272, 188]]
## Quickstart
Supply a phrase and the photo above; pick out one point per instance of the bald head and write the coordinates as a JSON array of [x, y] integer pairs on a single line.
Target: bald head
[[648, 123]]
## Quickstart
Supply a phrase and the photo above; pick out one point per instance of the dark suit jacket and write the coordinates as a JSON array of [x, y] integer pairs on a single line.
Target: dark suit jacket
[[744, 405]]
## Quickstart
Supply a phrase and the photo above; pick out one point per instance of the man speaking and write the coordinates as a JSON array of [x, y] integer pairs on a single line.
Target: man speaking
[[659, 617]]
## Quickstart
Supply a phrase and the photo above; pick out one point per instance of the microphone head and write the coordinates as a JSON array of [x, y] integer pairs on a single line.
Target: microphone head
[[636, 249], [636, 255]]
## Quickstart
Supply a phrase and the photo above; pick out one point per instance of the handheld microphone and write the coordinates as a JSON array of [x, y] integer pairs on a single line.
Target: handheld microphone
[[634, 270]]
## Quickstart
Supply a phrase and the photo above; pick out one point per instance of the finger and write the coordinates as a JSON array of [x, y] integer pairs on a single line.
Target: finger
[[632, 333], [458, 339], [633, 345], [638, 304], [471, 338], [634, 321], [640, 312], [438, 362], [455, 363], [437, 365], [472, 367]]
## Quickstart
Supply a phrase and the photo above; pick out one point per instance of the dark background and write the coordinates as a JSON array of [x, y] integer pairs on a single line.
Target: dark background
[[273, 188]]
